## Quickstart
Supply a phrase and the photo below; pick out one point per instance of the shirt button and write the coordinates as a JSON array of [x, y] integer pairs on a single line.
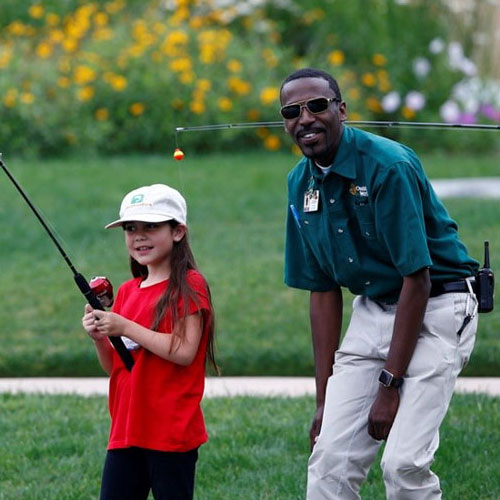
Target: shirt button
[[306, 222], [368, 283], [350, 259], [340, 230], [332, 200], [367, 233]]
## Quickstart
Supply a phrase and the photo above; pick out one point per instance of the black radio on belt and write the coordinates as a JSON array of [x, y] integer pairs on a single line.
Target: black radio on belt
[[485, 283]]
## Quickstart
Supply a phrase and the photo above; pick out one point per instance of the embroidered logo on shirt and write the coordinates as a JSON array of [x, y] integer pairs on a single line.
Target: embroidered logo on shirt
[[358, 190]]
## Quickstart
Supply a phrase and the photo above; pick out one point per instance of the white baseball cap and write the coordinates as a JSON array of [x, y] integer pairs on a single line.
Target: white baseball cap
[[156, 203]]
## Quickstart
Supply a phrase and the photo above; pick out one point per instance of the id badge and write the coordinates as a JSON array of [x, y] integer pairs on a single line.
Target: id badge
[[311, 200]]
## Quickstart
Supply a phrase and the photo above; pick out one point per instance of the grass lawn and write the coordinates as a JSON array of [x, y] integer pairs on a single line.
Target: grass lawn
[[54, 446], [236, 212]]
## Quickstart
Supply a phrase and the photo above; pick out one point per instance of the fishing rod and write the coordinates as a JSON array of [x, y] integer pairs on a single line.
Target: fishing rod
[[80, 281], [353, 123]]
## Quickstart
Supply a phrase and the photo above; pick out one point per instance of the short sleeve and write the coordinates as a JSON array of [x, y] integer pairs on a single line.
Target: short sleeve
[[399, 214], [201, 301]]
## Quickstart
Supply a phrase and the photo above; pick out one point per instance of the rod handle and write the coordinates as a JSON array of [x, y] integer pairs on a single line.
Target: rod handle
[[92, 299]]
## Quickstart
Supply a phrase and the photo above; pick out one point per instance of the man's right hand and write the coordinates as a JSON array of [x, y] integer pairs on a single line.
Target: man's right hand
[[316, 425]]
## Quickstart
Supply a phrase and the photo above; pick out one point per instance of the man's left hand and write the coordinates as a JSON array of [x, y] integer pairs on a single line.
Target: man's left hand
[[383, 412]]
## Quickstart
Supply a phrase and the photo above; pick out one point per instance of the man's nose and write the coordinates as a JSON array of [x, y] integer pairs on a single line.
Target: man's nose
[[305, 115]]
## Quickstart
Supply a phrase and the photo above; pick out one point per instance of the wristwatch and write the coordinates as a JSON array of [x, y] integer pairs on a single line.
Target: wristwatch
[[387, 379]]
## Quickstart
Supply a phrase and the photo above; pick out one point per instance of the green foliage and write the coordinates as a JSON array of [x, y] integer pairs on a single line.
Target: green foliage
[[54, 446], [116, 76], [237, 209]]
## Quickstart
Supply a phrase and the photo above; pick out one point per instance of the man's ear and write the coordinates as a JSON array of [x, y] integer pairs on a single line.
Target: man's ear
[[179, 232]]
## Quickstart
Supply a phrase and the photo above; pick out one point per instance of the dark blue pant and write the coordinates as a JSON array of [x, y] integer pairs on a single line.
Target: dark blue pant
[[130, 473]]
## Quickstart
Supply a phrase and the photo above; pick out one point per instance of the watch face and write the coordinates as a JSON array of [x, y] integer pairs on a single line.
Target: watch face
[[388, 380], [385, 378]]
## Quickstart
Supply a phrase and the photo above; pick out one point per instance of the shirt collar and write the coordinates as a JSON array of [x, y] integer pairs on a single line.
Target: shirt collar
[[343, 164]]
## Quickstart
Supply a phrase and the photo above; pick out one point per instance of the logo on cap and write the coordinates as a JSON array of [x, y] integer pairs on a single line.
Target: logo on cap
[[137, 199]]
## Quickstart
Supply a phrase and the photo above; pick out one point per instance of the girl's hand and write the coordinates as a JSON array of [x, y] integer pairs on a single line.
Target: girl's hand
[[88, 322], [109, 324]]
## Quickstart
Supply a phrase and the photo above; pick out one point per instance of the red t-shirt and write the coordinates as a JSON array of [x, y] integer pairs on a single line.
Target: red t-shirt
[[157, 404]]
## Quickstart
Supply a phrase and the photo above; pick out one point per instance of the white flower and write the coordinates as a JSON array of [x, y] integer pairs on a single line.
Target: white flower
[[436, 46], [450, 112], [468, 67], [455, 55], [391, 101], [415, 100], [421, 67]]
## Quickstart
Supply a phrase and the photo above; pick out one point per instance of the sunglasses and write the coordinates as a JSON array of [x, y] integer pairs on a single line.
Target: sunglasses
[[315, 106]]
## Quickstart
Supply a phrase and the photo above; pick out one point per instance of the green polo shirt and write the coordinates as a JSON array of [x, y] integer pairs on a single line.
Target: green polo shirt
[[378, 220]]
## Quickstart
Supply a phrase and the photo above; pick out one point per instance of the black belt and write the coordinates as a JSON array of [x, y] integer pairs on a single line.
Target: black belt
[[459, 286]]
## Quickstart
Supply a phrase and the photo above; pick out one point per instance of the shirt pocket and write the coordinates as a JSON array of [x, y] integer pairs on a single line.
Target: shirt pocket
[[366, 221]]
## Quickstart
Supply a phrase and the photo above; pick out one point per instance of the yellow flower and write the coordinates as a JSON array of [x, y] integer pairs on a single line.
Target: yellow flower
[[101, 19], [373, 104], [336, 58], [353, 94], [234, 66], [408, 113], [197, 107], [102, 34], [272, 142], [9, 99], [181, 64], [86, 93], [262, 132], [270, 58], [384, 85], [313, 15], [379, 60], [70, 45], [369, 80], [83, 75], [269, 95], [52, 19], [5, 57], [116, 6], [63, 82], [187, 77], [44, 50], [71, 137], [137, 108], [253, 114], [117, 82], [354, 116], [196, 22], [178, 104], [239, 86], [27, 98], [17, 28], [204, 84], [224, 103], [56, 36], [101, 114], [36, 11]]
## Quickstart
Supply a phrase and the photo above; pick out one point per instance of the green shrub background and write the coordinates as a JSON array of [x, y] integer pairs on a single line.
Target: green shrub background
[[116, 76]]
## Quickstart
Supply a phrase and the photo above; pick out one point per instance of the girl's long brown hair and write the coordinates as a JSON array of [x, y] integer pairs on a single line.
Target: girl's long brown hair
[[182, 260]]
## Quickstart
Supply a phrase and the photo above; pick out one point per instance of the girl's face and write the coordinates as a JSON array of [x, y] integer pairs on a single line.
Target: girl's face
[[151, 243]]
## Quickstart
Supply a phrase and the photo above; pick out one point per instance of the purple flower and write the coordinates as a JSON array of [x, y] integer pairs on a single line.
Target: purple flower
[[467, 118], [490, 112]]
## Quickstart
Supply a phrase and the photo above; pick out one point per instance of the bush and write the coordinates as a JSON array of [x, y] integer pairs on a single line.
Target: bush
[[116, 76]]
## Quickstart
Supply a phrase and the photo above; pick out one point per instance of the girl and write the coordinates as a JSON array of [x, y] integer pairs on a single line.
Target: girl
[[166, 318]]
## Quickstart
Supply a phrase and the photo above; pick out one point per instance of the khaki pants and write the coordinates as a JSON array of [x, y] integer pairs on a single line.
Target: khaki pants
[[344, 451]]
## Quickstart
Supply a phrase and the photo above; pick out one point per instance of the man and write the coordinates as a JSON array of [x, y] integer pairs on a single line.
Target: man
[[362, 215]]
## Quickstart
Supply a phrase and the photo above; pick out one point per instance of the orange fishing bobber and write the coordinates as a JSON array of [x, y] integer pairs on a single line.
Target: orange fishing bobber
[[178, 154]]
